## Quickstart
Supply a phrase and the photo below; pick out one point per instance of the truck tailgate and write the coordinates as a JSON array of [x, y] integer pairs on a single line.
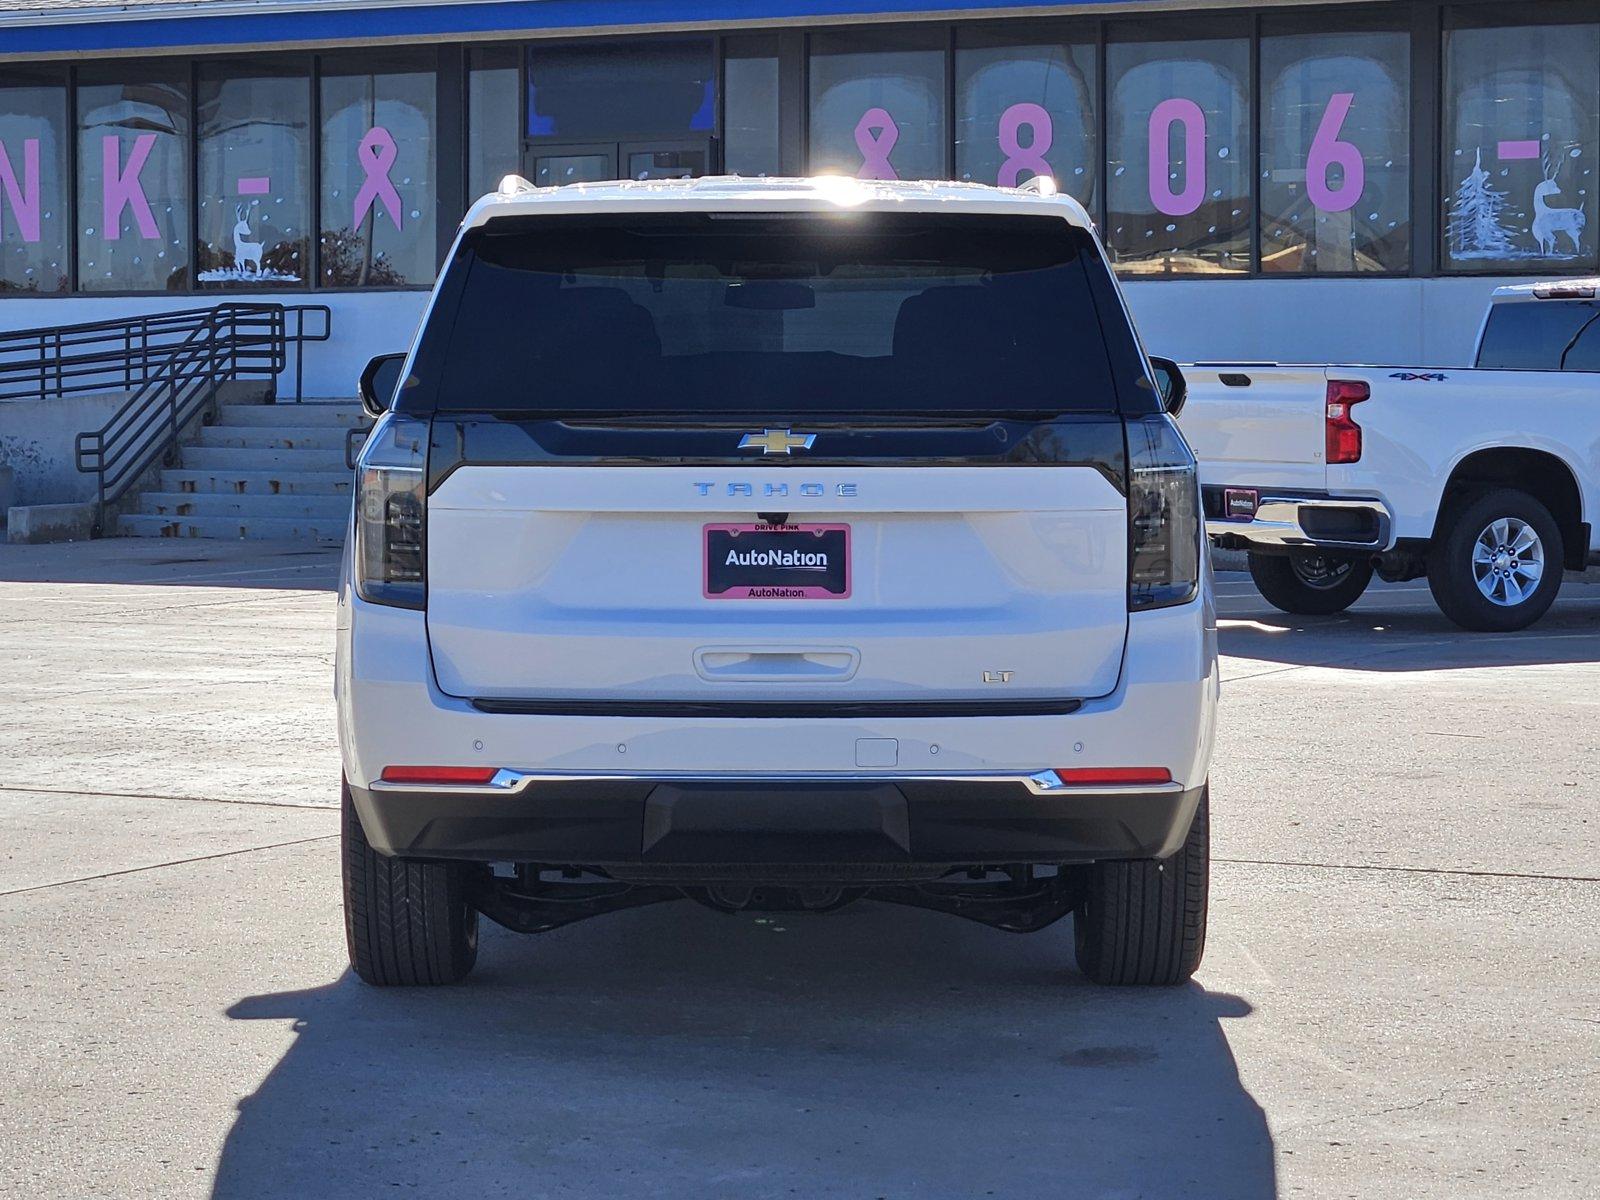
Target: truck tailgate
[[1257, 426]]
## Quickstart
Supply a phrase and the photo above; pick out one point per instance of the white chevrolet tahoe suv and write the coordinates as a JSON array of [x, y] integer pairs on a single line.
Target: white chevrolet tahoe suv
[[775, 544]]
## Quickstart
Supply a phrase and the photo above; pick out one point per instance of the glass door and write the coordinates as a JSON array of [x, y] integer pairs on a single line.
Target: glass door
[[552, 166], [663, 160], [594, 162]]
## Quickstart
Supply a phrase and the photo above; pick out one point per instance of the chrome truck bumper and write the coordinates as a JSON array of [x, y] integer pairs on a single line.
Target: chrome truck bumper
[[1250, 518]]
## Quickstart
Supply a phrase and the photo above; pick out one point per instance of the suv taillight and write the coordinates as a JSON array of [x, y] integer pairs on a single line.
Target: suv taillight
[[1164, 528], [391, 507], [1344, 435]]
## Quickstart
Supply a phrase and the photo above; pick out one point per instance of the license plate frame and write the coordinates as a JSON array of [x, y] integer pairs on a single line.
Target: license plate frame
[[722, 580], [1240, 504]]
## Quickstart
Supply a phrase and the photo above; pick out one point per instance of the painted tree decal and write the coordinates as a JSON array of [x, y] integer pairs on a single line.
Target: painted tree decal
[[1475, 227]]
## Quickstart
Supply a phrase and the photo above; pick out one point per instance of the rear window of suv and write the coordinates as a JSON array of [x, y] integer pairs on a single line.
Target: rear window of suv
[[804, 313]]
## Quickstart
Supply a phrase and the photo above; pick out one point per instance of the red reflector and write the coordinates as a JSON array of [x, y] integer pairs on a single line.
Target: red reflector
[[439, 774], [1343, 434], [1100, 776]]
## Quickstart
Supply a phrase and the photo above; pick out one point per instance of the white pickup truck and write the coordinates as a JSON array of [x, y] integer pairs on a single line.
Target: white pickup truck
[[1484, 479]]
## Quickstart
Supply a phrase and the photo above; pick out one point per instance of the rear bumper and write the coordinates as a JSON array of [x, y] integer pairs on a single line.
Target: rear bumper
[[604, 783], [1299, 520], [714, 828]]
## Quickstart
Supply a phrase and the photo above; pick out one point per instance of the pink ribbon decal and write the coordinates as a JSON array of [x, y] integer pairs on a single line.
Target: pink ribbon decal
[[876, 134], [1020, 158], [24, 196], [376, 154], [120, 187]]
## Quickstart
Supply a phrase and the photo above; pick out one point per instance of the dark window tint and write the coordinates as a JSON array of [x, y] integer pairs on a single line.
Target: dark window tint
[[878, 104], [1026, 110], [621, 89], [34, 143], [1178, 154], [1538, 335], [786, 316], [750, 124], [1335, 150], [1585, 352]]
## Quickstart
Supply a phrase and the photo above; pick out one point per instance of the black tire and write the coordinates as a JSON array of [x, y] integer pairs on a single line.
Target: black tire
[[1145, 922], [1311, 585], [1452, 575], [406, 923]]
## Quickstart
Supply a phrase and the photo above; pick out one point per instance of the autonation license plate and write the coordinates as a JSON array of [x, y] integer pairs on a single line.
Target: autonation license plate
[[777, 562]]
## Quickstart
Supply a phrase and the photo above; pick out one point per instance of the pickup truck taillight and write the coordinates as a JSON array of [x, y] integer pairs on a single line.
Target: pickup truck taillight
[[1344, 435], [391, 498], [1164, 530]]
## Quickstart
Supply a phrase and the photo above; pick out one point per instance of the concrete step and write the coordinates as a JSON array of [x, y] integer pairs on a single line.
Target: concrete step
[[232, 458], [282, 437], [219, 504], [259, 483], [325, 530], [343, 414]]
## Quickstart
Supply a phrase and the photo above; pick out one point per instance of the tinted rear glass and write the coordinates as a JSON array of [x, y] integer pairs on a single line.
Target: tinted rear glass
[[704, 314], [1538, 335]]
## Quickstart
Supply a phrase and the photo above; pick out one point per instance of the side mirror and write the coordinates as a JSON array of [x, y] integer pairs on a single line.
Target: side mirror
[[379, 382], [1171, 383]]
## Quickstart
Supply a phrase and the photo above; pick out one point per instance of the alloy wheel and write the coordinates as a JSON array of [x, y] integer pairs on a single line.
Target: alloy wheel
[[1507, 561]]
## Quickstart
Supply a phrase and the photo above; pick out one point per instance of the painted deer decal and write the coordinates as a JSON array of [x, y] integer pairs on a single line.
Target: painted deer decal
[[244, 250], [1547, 221]]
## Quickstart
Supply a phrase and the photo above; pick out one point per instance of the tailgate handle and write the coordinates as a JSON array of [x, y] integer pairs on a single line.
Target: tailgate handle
[[766, 663]]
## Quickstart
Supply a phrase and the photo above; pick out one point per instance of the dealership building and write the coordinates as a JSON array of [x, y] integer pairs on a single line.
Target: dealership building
[[1276, 181]]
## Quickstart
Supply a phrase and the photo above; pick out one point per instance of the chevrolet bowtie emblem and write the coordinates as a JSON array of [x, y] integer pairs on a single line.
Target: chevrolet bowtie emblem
[[777, 441]]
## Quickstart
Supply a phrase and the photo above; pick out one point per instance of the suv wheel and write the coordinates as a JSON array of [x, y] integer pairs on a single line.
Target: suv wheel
[[1145, 922], [1497, 565], [405, 923], [1313, 585]]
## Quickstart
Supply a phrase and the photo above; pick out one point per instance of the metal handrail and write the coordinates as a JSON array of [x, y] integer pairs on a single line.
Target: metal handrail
[[172, 372], [96, 356]]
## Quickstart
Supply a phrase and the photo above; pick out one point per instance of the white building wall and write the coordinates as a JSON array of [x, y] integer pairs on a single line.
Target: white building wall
[[1408, 322], [1411, 322]]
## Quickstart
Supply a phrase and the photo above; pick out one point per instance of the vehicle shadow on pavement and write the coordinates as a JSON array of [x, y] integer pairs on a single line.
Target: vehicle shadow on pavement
[[174, 562], [676, 1052], [1379, 634]]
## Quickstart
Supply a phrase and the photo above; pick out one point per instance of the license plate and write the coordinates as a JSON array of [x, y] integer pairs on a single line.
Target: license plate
[[777, 562], [1240, 503]]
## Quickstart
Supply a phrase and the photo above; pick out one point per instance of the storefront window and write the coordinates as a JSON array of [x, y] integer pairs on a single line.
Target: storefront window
[[133, 178], [255, 172], [750, 123], [378, 216], [1335, 152], [624, 88], [1521, 143], [877, 105], [33, 182], [1026, 110], [494, 146], [1178, 156]]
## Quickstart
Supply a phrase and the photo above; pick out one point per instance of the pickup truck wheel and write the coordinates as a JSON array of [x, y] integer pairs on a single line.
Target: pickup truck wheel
[[1497, 566], [1312, 585], [405, 923], [1145, 922]]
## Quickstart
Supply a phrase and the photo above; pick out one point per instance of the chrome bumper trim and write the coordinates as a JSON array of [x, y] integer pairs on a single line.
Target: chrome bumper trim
[[1278, 522], [1040, 783]]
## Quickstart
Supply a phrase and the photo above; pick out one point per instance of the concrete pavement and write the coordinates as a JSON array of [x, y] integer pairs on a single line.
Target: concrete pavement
[[1398, 996]]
